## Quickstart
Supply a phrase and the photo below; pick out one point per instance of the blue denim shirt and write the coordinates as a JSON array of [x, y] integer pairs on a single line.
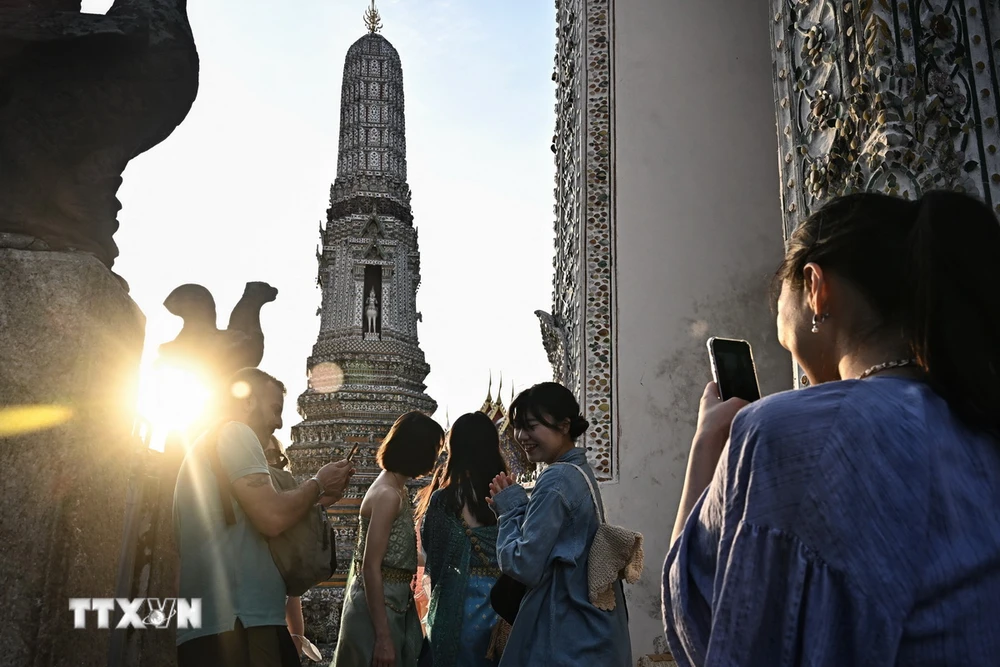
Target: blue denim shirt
[[544, 543], [850, 523]]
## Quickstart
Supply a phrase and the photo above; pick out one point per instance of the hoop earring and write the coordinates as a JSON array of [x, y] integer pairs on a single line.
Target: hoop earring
[[817, 320]]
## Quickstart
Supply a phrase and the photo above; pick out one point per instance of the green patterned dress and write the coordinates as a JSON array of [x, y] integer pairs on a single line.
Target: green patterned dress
[[356, 642]]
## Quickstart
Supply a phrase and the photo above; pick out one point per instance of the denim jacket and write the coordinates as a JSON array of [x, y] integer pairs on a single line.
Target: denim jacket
[[544, 542]]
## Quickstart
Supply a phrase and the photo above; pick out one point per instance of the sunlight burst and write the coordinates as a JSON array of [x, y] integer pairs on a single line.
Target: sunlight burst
[[172, 400]]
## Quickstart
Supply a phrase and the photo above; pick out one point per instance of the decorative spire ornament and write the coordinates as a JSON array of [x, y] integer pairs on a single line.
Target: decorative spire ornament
[[373, 21]]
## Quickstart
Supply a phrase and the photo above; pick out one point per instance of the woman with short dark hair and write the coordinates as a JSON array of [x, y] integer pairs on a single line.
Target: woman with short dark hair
[[855, 522], [379, 624]]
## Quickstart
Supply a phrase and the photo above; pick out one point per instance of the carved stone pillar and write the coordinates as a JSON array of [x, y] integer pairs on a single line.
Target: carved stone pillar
[[81, 96], [885, 95], [71, 340]]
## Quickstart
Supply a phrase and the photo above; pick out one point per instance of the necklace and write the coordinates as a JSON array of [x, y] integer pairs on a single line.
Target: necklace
[[878, 368]]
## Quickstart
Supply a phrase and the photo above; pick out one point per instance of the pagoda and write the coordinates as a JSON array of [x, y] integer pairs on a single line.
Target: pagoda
[[366, 368]]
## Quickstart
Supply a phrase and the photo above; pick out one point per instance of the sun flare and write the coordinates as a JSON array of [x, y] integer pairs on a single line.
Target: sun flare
[[23, 419], [172, 400]]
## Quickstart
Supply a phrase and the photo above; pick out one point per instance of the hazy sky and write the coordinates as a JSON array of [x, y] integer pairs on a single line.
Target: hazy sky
[[237, 192]]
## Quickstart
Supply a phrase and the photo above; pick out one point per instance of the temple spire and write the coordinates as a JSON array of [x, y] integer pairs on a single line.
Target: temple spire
[[372, 19], [488, 403]]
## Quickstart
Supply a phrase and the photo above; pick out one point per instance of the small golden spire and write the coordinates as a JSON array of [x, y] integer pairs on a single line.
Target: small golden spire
[[372, 19]]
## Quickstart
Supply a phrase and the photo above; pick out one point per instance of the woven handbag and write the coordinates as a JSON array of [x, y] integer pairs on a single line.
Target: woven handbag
[[615, 554]]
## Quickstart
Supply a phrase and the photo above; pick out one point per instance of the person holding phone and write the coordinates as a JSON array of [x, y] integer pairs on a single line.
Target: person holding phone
[[228, 564], [544, 542], [855, 522]]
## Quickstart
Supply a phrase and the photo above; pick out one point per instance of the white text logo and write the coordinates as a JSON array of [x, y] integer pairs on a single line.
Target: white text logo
[[140, 613]]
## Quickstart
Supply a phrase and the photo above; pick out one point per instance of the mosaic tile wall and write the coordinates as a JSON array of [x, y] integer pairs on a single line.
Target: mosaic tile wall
[[578, 334]]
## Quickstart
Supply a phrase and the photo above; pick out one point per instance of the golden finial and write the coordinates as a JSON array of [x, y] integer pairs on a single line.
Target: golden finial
[[372, 19]]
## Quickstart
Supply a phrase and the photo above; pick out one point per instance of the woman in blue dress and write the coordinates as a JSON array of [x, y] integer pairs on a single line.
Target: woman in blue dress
[[459, 536], [855, 522]]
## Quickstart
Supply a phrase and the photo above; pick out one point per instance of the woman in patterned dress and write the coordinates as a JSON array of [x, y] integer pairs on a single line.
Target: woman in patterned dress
[[379, 625], [459, 536]]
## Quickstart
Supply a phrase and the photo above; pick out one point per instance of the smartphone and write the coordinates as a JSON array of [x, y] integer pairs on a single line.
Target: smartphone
[[354, 450], [733, 368]]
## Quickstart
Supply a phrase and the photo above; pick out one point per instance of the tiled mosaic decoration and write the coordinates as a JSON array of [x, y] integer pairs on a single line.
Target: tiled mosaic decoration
[[578, 335]]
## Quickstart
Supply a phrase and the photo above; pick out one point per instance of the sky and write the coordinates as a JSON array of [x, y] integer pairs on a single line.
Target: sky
[[238, 191]]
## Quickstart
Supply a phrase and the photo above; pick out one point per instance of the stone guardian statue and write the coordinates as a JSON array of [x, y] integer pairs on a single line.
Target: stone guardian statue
[[371, 311]]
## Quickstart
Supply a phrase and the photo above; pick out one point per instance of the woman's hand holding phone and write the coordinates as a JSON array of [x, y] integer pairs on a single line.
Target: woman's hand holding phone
[[715, 419]]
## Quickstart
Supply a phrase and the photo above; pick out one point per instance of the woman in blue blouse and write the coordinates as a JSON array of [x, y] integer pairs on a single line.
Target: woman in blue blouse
[[459, 535], [856, 522], [544, 543]]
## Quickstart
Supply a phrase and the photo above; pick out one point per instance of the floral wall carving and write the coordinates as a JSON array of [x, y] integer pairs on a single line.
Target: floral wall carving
[[885, 95]]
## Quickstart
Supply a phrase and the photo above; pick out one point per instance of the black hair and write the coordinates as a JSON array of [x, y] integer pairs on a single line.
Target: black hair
[[551, 399], [926, 268], [411, 447], [474, 459]]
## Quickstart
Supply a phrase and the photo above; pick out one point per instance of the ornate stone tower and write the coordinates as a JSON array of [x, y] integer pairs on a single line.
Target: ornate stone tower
[[367, 367]]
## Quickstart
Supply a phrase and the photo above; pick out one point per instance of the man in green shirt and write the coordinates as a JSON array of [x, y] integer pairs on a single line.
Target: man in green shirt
[[230, 567]]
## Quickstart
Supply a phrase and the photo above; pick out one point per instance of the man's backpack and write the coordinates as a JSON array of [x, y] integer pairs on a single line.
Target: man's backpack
[[306, 553]]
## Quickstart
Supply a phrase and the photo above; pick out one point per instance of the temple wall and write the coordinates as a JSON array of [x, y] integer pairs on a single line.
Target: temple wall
[[668, 228], [690, 138], [698, 225]]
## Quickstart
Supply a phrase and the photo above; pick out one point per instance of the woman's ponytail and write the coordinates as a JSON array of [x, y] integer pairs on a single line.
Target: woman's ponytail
[[954, 316]]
